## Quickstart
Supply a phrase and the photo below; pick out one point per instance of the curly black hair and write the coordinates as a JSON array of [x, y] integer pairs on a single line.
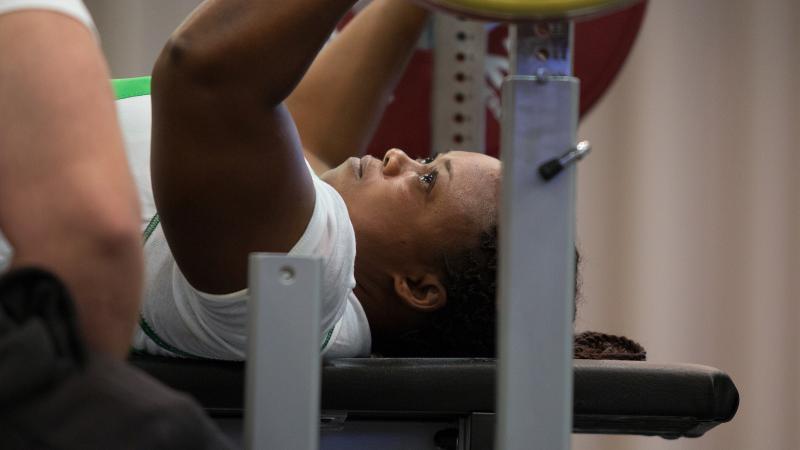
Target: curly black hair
[[594, 345], [465, 326]]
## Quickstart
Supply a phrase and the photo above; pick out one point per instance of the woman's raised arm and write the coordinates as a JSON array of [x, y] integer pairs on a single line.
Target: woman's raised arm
[[339, 103], [229, 176]]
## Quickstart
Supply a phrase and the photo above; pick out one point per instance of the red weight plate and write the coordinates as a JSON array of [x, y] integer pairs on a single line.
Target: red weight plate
[[601, 46]]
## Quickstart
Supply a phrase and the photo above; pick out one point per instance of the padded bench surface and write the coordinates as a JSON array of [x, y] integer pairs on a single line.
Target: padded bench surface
[[619, 397]]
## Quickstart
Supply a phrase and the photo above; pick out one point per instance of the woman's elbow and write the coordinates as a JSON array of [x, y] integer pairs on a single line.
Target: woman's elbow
[[118, 240], [184, 63], [202, 72]]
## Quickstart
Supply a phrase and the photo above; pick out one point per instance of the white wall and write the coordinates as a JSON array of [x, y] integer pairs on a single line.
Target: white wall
[[690, 204], [133, 31]]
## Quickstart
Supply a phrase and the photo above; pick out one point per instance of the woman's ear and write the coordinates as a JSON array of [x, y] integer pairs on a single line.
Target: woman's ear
[[424, 293]]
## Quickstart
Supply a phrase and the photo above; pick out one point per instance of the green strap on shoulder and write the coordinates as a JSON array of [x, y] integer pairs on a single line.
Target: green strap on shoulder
[[131, 87]]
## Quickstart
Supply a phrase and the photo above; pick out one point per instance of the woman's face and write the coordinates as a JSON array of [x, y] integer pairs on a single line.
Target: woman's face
[[412, 211]]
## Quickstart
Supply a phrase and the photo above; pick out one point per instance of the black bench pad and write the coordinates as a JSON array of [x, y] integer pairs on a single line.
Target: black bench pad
[[617, 397]]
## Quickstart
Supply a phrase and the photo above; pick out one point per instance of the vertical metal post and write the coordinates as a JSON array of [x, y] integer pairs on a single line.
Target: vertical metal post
[[459, 88], [536, 278], [283, 363]]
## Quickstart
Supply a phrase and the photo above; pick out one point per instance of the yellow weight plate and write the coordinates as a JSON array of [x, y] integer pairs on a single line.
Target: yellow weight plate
[[518, 10]]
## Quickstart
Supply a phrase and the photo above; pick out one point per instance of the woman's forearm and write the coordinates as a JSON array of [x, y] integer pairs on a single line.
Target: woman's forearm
[[67, 200], [101, 266], [339, 102]]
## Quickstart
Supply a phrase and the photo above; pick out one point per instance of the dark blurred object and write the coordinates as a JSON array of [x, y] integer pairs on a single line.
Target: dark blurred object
[[55, 394], [446, 439]]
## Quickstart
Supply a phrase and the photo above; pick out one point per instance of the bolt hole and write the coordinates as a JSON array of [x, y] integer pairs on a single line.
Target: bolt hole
[[458, 118], [287, 275], [458, 138], [460, 77], [461, 36], [459, 97], [460, 57]]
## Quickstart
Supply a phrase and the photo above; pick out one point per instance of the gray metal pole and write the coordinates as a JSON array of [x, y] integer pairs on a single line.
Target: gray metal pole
[[282, 394], [537, 221]]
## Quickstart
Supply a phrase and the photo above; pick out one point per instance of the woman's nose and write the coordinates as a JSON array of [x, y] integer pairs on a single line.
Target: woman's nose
[[395, 162]]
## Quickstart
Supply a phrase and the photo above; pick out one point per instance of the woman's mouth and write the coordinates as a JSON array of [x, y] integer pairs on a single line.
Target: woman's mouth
[[361, 166], [355, 166]]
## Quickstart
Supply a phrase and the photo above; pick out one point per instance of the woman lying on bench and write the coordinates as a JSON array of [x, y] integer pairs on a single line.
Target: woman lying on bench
[[408, 246]]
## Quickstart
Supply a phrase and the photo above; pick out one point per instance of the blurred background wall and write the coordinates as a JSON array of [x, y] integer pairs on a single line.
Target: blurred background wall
[[689, 206], [689, 210], [133, 31]]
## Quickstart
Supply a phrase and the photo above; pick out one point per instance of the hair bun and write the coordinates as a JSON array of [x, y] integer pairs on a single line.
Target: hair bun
[[596, 345]]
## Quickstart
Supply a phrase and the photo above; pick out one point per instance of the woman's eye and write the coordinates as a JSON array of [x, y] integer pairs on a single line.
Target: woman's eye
[[429, 179], [427, 160]]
